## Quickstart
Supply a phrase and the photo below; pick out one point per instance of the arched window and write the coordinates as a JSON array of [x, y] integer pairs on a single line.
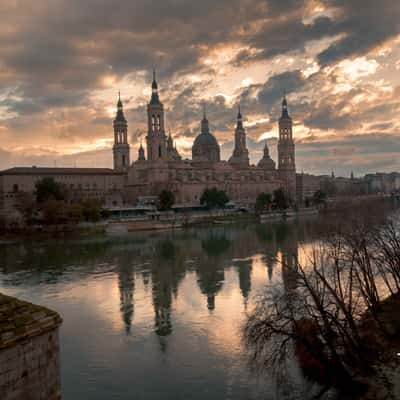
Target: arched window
[[158, 122], [159, 151], [153, 123], [123, 160]]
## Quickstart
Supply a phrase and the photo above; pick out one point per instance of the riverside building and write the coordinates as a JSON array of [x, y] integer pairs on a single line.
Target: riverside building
[[160, 166]]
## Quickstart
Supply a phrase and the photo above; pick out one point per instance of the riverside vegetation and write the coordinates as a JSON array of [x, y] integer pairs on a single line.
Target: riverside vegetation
[[339, 318]]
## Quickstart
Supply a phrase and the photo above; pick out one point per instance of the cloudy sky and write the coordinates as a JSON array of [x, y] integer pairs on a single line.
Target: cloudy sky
[[62, 63]]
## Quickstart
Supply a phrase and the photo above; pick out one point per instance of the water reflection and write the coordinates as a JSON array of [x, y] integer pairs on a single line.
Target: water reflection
[[188, 290], [162, 262]]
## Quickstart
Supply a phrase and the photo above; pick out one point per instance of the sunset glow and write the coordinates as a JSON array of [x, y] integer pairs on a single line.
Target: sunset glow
[[338, 61]]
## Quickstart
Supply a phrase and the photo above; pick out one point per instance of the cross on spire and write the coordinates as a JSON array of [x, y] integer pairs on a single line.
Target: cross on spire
[[285, 113], [154, 90]]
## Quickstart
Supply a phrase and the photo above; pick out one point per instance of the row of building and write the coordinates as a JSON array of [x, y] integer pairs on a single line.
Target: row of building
[[161, 166]]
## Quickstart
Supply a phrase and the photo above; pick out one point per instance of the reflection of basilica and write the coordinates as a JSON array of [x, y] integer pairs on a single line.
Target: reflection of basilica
[[167, 271], [126, 284], [244, 268], [210, 255], [289, 259], [160, 262]]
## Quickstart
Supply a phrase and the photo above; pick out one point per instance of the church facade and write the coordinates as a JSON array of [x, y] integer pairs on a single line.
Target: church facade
[[162, 167]]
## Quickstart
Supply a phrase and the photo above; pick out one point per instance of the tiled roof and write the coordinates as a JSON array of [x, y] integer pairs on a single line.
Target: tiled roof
[[57, 171], [20, 320]]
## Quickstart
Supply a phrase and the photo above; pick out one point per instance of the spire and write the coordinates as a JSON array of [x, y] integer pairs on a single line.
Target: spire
[[154, 83], [170, 142], [154, 90], [141, 152], [239, 119], [120, 111], [285, 114], [266, 150], [204, 122]]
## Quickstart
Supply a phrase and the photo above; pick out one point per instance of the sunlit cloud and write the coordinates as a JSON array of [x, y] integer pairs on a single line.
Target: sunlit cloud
[[60, 81]]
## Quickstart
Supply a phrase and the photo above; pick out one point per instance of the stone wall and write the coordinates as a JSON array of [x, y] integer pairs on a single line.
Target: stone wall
[[30, 370], [29, 351]]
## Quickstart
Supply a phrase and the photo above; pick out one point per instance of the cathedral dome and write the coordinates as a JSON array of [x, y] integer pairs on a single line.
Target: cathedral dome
[[205, 146], [205, 139]]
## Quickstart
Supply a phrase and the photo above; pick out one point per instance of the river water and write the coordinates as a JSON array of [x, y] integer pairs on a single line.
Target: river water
[[156, 315]]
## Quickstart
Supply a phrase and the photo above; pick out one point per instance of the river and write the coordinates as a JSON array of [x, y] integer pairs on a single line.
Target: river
[[156, 315]]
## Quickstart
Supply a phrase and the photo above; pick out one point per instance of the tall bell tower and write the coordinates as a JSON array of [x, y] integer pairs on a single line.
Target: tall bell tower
[[240, 154], [121, 149], [286, 152], [156, 138]]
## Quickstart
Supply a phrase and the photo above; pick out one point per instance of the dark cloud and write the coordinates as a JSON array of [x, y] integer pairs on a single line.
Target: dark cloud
[[55, 54], [290, 34], [272, 90], [365, 24]]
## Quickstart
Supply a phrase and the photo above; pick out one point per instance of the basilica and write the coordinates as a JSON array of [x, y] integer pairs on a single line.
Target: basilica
[[162, 167]]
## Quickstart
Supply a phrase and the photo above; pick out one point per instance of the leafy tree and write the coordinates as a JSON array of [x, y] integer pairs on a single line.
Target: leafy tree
[[166, 200], [54, 211], [47, 189], [91, 210], [328, 186], [26, 205], [214, 198], [105, 213], [75, 212], [263, 202], [280, 199], [319, 197]]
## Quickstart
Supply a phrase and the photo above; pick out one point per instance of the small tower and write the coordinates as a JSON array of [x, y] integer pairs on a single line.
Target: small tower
[[172, 151], [286, 152], [266, 163], [170, 143], [156, 139], [121, 145], [240, 155], [141, 156]]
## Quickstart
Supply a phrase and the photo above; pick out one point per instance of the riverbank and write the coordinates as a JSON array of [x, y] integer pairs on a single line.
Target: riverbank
[[124, 225], [382, 336]]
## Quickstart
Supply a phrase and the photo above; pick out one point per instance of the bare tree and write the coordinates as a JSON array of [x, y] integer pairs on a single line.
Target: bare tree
[[327, 320]]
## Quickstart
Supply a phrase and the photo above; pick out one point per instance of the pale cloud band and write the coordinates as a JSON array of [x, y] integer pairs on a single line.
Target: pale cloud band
[[62, 63]]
